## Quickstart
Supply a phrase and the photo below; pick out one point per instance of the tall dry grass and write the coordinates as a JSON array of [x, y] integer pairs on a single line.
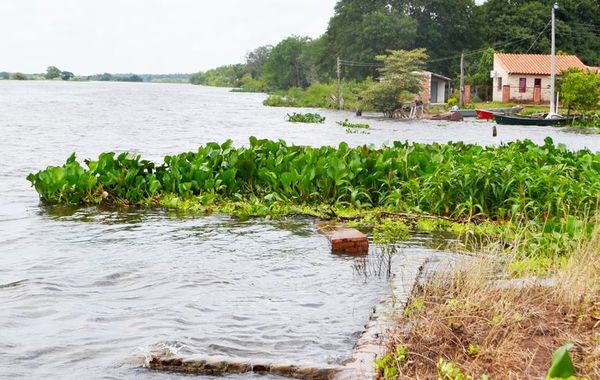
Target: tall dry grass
[[504, 329]]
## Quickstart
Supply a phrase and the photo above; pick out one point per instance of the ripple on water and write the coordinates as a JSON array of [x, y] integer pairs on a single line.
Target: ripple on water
[[104, 285]]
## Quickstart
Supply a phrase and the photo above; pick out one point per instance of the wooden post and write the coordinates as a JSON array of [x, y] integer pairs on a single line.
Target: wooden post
[[462, 80], [339, 88]]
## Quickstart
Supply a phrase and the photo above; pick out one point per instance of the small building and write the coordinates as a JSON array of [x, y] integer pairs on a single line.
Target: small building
[[435, 88], [526, 77]]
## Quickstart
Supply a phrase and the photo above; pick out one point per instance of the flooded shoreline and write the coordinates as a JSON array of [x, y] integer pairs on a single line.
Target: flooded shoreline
[[84, 290]]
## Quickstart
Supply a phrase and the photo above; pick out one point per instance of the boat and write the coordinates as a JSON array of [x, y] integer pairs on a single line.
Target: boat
[[466, 112], [488, 114], [529, 120], [473, 112]]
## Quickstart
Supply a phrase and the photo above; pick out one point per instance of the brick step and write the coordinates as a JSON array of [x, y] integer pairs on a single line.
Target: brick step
[[345, 240]]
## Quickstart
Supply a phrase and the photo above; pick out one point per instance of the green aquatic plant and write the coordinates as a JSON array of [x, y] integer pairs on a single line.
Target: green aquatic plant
[[306, 118], [549, 189], [348, 124], [519, 181]]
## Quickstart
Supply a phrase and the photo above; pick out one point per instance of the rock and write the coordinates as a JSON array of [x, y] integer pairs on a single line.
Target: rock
[[261, 368]]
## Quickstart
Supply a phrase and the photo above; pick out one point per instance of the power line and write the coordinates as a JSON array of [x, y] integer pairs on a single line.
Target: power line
[[538, 37], [474, 52]]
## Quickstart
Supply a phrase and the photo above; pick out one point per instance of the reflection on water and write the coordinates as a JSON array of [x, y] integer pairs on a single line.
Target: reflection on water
[[84, 290]]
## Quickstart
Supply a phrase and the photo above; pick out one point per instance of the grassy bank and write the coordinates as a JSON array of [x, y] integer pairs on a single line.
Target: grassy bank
[[469, 325]]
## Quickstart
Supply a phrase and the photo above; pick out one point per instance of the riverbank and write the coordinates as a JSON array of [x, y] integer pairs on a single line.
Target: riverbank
[[108, 257], [474, 324]]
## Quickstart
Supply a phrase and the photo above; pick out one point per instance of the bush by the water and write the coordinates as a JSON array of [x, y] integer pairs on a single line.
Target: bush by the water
[[519, 181], [306, 118], [320, 95]]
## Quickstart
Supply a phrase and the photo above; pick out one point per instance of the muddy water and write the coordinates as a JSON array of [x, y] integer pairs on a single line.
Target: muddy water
[[84, 293]]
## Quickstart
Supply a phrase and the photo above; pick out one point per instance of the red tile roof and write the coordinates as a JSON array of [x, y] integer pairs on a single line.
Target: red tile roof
[[537, 64]]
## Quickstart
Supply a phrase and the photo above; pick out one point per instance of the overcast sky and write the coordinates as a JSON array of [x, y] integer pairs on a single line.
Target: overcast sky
[[148, 36]]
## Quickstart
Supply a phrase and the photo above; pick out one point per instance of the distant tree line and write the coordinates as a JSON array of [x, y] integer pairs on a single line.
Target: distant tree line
[[107, 77], [361, 30], [54, 73]]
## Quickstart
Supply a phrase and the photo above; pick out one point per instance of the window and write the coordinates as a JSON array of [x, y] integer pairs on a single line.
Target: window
[[522, 84], [537, 82], [499, 83]]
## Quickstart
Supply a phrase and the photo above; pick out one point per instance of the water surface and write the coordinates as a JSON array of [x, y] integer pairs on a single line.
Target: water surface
[[85, 292]]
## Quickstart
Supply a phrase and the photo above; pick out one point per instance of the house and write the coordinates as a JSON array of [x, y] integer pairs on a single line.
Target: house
[[526, 77], [435, 88]]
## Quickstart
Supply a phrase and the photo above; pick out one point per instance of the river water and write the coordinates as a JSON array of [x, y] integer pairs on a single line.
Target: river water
[[85, 293]]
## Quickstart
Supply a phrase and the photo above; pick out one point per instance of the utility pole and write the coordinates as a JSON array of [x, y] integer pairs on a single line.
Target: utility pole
[[553, 63], [339, 88], [462, 80]]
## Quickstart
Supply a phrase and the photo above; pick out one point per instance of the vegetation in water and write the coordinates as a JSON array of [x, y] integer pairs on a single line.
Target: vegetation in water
[[591, 121], [320, 95], [544, 196], [348, 124], [518, 181], [314, 118]]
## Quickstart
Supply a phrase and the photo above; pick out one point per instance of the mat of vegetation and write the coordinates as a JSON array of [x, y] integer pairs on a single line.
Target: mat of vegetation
[[306, 118], [348, 124], [548, 190]]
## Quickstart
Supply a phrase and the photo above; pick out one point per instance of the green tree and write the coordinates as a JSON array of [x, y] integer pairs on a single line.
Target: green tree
[[445, 28], [288, 64], [198, 78], [18, 76], [580, 90], [400, 80], [521, 26], [106, 77], [360, 30], [66, 75], [223, 76], [4, 75], [256, 60], [480, 75], [52, 72]]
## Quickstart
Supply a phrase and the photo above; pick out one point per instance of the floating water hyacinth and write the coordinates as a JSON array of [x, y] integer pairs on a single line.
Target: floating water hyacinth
[[306, 118]]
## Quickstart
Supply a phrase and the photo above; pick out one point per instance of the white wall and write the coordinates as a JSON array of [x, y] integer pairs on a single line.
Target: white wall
[[513, 81]]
